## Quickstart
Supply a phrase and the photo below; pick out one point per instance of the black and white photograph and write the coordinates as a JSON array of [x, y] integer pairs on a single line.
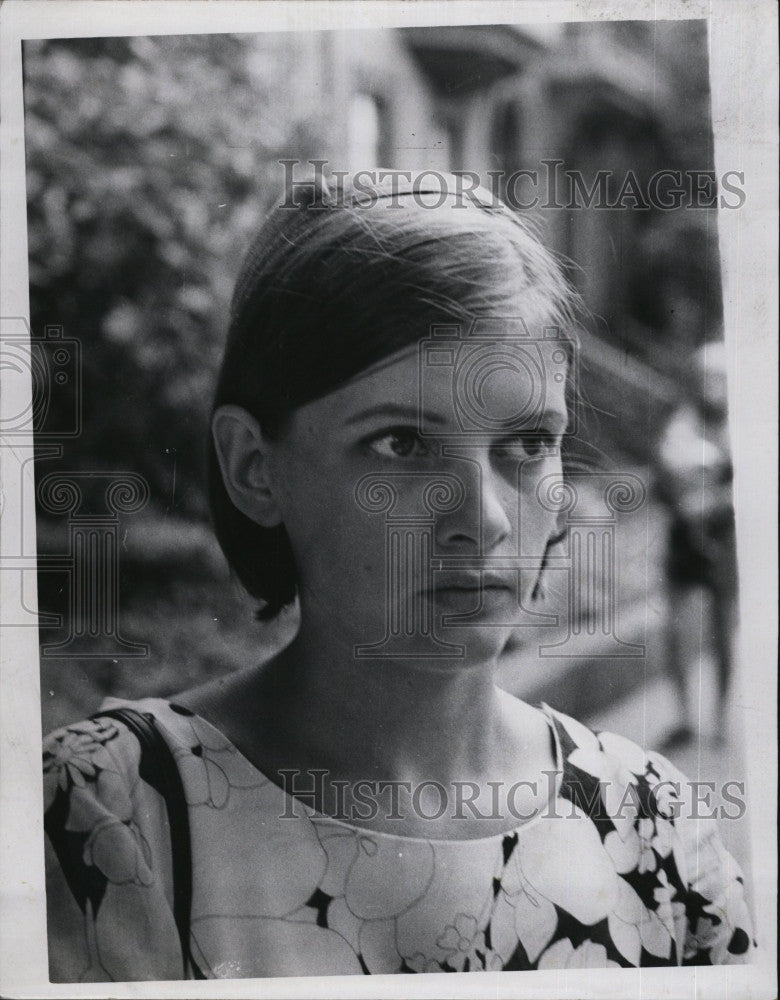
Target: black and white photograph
[[389, 447]]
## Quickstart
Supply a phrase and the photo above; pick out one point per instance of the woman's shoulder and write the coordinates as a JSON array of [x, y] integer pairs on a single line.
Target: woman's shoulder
[[608, 755], [108, 853], [89, 756], [654, 828], [621, 784], [100, 766]]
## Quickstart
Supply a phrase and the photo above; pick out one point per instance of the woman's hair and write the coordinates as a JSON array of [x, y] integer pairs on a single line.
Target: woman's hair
[[333, 285]]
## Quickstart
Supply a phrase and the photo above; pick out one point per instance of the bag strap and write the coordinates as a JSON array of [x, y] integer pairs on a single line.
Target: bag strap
[[166, 778]]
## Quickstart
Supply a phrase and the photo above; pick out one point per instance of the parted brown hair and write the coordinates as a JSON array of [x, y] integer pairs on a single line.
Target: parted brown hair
[[332, 285]]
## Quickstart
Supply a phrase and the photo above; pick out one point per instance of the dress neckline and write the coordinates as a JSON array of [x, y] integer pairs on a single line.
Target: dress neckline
[[319, 817]]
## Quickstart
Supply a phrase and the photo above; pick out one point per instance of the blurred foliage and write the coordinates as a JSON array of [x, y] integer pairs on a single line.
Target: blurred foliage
[[142, 194], [150, 162]]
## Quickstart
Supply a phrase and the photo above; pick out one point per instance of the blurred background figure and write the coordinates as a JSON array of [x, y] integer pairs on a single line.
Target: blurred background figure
[[694, 480]]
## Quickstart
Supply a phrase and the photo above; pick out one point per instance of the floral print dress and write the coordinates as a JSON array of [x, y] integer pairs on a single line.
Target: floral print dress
[[615, 874]]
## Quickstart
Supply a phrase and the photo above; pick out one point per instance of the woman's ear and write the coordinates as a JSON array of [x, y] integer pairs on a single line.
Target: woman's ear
[[243, 454]]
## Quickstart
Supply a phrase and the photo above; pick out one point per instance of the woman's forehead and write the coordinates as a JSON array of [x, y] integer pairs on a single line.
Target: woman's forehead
[[538, 338], [498, 377]]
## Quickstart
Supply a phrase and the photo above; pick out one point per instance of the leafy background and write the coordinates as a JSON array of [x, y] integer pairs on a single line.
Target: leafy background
[[142, 194]]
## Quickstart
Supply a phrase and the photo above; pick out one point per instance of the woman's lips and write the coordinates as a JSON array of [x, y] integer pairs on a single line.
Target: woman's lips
[[472, 583]]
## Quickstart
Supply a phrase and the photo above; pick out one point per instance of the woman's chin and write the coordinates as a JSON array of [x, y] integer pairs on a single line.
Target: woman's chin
[[480, 642]]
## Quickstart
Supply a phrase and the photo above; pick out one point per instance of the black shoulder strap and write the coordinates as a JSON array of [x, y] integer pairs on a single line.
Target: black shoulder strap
[[167, 779]]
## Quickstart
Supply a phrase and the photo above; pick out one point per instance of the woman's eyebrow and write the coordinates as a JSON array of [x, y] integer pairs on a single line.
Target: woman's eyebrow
[[550, 421], [555, 421], [396, 411]]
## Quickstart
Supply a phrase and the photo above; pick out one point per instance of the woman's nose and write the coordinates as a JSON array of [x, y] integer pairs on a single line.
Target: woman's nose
[[483, 520], [496, 522]]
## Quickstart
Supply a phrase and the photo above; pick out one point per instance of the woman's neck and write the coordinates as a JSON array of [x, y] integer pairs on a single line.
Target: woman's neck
[[390, 718], [314, 711]]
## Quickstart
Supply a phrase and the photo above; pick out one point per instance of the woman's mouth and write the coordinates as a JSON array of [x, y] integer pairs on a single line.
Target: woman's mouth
[[474, 582]]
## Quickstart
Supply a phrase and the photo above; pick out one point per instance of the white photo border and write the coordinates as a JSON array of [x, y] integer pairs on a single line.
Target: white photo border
[[743, 51]]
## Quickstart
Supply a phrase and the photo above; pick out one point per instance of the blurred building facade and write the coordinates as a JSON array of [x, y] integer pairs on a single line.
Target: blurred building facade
[[571, 123], [612, 103]]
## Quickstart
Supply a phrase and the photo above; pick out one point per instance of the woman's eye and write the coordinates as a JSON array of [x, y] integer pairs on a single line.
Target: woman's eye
[[400, 443], [538, 444]]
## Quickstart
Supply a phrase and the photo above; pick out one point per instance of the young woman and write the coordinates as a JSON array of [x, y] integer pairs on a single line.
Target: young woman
[[387, 440]]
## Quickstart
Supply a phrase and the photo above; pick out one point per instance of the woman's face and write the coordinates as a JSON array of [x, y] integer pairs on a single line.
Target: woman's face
[[410, 497]]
